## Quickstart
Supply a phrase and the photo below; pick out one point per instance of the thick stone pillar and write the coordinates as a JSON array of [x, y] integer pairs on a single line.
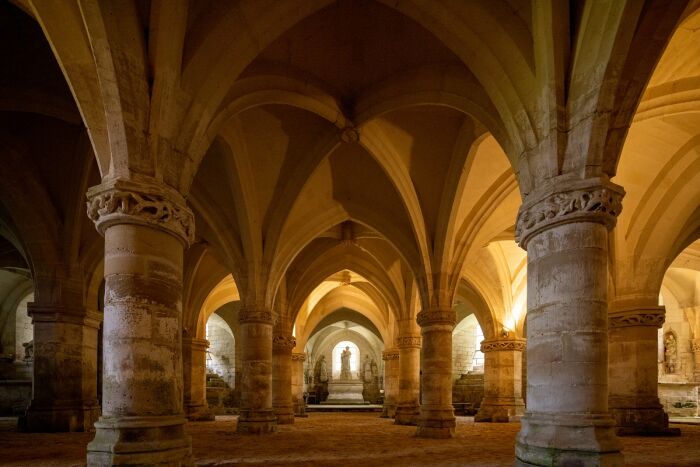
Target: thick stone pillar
[[391, 382], [437, 418], [565, 231], [503, 400], [146, 227], [194, 362], [298, 384], [633, 372], [282, 346], [695, 346], [64, 395], [257, 415], [408, 400]]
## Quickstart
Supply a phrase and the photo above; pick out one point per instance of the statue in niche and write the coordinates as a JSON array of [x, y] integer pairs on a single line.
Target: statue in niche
[[320, 370], [375, 370], [345, 364], [367, 370], [28, 351], [670, 352]]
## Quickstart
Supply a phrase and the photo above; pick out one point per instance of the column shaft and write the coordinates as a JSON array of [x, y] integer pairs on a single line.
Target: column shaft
[[408, 403], [436, 419], [194, 359], [64, 396], [566, 235], [282, 346], [391, 382], [257, 415], [502, 400], [298, 384], [633, 373]]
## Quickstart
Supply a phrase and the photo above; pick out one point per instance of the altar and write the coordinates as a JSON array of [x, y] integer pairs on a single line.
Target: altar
[[345, 392]]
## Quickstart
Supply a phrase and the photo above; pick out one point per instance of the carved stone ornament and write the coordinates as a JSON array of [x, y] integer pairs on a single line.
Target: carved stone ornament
[[695, 345], [298, 357], [436, 317], [651, 316], [570, 200], [121, 201], [390, 355], [408, 342], [255, 316], [283, 342], [503, 344]]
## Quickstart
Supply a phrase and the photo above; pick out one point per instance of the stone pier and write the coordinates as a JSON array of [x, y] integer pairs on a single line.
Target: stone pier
[[565, 228], [436, 419], [633, 346], [298, 359], [146, 226], [503, 400], [194, 359], [407, 403], [257, 415], [391, 382], [282, 345]]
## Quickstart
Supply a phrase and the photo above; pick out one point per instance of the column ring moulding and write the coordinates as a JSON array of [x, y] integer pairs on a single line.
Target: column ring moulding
[[653, 316]]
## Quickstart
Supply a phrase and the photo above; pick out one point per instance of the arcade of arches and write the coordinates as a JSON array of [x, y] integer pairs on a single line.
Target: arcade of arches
[[492, 204]]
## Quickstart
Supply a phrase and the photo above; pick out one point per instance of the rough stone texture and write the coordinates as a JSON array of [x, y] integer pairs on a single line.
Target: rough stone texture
[[142, 411], [632, 370], [503, 399], [64, 395], [14, 396], [282, 404], [567, 419], [391, 382], [407, 402], [257, 415], [194, 356], [342, 439], [436, 419], [298, 384]]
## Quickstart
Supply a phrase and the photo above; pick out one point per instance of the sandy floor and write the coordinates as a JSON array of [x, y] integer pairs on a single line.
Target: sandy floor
[[343, 439]]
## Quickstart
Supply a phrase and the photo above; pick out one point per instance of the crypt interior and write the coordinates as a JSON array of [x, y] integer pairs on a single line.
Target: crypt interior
[[312, 232]]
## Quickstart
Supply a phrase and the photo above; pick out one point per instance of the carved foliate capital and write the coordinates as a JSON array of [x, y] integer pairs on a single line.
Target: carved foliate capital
[[432, 317], [41, 313], [126, 201], [195, 343], [298, 357], [408, 342], [695, 345], [283, 342], [390, 355], [255, 316], [568, 200], [647, 316], [512, 344]]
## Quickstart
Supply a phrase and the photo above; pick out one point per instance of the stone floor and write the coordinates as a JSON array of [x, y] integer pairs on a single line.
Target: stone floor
[[349, 439]]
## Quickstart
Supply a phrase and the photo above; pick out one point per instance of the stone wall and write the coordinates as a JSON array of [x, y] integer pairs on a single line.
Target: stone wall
[[24, 331], [222, 350], [14, 397], [679, 399]]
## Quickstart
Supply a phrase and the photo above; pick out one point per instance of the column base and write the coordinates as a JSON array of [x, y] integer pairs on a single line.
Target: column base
[[59, 419], [649, 421], [436, 423], [140, 441], [582, 440], [407, 414], [199, 413], [285, 415], [388, 411], [258, 423], [500, 410]]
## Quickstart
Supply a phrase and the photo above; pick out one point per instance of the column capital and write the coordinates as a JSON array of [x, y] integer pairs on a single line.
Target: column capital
[[431, 317], [196, 343], [41, 313], [246, 316], [695, 345], [283, 342], [408, 342], [638, 316], [390, 354], [141, 201], [298, 356], [568, 199], [511, 343]]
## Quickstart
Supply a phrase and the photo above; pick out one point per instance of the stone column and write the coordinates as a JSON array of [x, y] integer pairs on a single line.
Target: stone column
[[282, 345], [146, 226], [633, 372], [437, 418], [391, 382], [64, 395], [298, 384], [503, 400], [565, 231], [257, 415], [695, 345], [408, 400], [194, 360]]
